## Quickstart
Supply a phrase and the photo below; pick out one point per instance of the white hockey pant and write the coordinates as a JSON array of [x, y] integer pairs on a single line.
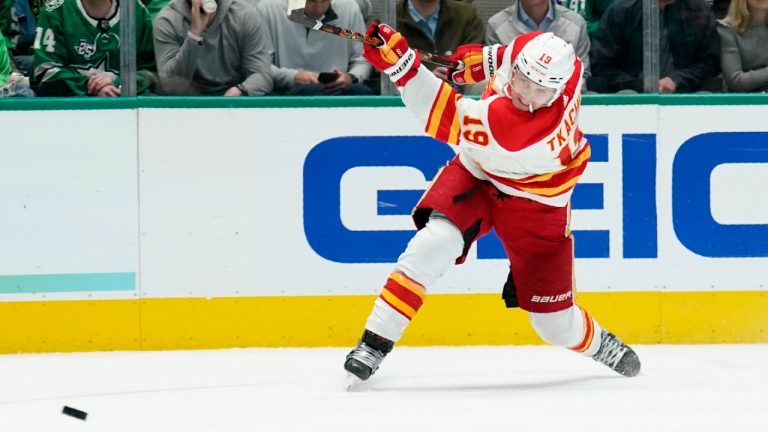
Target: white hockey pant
[[430, 253]]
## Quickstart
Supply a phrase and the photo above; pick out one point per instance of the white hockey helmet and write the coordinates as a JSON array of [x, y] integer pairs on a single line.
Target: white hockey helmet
[[548, 61]]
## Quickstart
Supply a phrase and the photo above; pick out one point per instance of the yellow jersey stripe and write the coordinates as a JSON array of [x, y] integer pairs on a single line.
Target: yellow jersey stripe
[[453, 135], [584, 156], [553, 190], [436, 115]]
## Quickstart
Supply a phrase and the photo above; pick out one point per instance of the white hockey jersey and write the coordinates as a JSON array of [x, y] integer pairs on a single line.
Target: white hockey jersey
[[538, 155]]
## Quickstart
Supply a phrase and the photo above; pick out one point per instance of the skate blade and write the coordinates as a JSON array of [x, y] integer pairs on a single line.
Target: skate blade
[[353, 383]]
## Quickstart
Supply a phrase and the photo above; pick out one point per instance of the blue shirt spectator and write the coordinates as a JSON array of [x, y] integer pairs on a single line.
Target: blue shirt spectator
[[549, 18], [428, 25]]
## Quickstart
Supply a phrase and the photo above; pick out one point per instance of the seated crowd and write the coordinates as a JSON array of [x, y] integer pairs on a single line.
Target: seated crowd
[[251, 48]]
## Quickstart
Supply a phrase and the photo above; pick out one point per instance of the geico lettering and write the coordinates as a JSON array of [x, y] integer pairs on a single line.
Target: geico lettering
[[635, 203], [331, 239], [551, 299]]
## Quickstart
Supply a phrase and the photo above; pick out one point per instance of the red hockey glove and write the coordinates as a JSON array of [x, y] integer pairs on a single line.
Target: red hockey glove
[[470, 68], [476, 63], [394, 57]]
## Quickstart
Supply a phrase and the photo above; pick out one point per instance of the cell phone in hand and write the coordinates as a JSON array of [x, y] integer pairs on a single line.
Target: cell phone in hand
[[327, 77]]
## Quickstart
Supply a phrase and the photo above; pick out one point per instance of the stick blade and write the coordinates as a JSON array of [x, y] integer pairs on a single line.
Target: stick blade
[[297, 15]]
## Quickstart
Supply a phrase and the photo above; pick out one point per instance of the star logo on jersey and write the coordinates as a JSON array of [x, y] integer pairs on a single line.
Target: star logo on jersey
[[52, 5], [99, 68], [85, 49]]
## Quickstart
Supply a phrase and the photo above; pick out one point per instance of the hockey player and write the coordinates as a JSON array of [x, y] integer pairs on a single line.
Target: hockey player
[[77, 49], [520, 154]]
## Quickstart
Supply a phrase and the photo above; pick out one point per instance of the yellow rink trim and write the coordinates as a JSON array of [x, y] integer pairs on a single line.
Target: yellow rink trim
[[466, 319]]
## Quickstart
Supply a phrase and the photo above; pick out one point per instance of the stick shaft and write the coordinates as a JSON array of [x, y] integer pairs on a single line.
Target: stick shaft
[[359, 37], [349, 34]]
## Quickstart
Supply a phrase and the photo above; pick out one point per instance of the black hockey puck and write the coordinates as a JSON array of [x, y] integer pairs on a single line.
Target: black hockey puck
[[73, 412]]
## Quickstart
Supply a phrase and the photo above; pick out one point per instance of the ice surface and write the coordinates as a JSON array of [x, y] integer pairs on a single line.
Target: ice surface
[[697, 388]]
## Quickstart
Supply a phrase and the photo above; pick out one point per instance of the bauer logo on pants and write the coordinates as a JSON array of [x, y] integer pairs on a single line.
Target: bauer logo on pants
[[551, 299]]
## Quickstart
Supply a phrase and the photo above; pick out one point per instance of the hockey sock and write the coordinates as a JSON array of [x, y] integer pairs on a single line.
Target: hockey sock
[[590, 340], [397, 304], [572, 328]]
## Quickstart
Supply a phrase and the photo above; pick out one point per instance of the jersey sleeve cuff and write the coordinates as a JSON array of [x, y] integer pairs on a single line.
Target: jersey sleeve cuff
[[194, 37]]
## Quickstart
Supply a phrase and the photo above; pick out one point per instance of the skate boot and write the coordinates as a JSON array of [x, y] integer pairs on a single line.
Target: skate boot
[[617, 355], [365, 359]]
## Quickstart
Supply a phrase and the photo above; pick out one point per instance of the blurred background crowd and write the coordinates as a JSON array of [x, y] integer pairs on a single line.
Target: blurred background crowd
[[251, 48]]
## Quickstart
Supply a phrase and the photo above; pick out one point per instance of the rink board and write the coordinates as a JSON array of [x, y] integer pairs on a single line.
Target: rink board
[[445, 319], [194, 223]]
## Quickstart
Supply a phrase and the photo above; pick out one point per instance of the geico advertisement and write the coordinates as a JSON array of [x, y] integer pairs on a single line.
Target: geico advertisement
[[318, 201]]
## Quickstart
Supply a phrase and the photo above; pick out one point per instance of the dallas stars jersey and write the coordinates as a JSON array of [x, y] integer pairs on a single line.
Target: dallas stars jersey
[[5, 61], [6, 17], [70, 46]]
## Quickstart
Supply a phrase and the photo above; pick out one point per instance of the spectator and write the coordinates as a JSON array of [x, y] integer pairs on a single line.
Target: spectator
[[11, 83], [439, 26], [225, 52], [366, 8], [720, 8], [5, 19], [590, 10], [6, 66], [524, 16], [744, 38], [689, 48], [301, 54], [77, 49], [23, 36]]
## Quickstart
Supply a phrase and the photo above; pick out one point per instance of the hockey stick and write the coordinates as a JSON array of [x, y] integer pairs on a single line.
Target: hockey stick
[[297, 15]]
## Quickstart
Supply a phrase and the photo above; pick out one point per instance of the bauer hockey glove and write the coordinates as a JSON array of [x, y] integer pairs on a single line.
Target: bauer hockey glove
[[476, 63], [393, 57]]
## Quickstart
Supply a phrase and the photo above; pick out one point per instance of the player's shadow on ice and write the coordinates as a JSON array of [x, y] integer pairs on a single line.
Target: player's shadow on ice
[[511, 386]]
